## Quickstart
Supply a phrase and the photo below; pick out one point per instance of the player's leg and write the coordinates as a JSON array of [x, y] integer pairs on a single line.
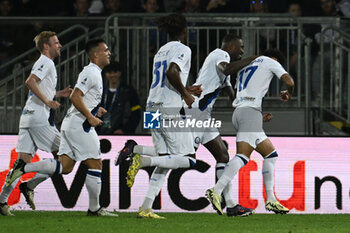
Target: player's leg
[[240, 160], [7, 190], [155, 185], [219, 150], [131, 147], [93, 185], [85, 146], [244, 151], [50, 166], [242, 121], [26, 149], [267, 150], [180, 150], [27, 188], [30, 185], [47, 138], [177, 148]]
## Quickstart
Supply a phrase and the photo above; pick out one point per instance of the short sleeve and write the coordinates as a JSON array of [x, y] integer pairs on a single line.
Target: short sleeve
[[41, 69], [277, 69], [85, 82], [181, 57], [222, 57]]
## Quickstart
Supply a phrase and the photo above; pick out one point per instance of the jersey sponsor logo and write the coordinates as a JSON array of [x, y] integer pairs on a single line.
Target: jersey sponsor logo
[[26, 111], [151, 120], [181, 57], [41, 67], [84, 81]]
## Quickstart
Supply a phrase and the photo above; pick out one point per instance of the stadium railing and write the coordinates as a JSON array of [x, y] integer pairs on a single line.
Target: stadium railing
[[13, 90], [134, 38], [334, 98]]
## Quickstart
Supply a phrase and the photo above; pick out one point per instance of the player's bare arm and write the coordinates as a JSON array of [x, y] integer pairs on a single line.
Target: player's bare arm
[[32, 84], [66, 92], [173, 75], [287, 94], [77, 101], [233, 67]]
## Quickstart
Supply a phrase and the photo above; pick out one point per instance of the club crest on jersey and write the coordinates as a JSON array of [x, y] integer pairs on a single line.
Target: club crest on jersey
[[151, 120], [41, 67]]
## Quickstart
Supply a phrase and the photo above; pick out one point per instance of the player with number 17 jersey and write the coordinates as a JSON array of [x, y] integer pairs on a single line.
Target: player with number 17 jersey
[[161, 91], [253, 81]]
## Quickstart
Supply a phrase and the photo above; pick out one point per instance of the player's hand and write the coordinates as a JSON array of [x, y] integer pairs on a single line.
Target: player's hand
[[94, 121], [188, 98], [53, 104], [267, 117], [101, 111], [64, 92], [195, 90], [285, 96]]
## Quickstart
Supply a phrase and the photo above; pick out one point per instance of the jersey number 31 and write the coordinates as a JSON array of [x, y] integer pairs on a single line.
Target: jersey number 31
[[156, 71]]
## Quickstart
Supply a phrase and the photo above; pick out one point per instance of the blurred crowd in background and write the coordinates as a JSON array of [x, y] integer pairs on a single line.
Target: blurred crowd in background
[[17, 38], [108, 7]]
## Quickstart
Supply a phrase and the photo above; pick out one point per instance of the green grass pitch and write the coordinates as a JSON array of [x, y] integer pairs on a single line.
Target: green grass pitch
[[76, 222]]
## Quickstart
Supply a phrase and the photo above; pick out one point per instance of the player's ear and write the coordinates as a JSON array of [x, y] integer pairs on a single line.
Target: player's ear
[[45, 46]]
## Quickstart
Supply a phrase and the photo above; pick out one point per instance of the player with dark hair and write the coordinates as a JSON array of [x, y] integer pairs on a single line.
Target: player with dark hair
[[78, 143], [171, 65], [251, 86], [36, 130], [214, 77]]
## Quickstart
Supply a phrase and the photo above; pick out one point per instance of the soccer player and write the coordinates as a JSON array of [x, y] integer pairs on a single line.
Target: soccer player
[[171, 66], [35, 130], [252, 84], [213, 78], [77, 143]]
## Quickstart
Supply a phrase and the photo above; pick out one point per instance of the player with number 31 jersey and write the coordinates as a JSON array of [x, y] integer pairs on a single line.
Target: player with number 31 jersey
[[161, 90]]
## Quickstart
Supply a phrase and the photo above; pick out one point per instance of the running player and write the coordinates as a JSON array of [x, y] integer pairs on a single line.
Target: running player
[[213, 78], [77, 143], [171, 66], [35, 130], [252, 84]]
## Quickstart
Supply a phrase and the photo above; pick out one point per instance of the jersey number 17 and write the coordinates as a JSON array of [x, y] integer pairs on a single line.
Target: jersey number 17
[[244, 77]]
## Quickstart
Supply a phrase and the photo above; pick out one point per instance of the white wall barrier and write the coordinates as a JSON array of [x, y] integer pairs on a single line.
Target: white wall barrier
[[312, 176]]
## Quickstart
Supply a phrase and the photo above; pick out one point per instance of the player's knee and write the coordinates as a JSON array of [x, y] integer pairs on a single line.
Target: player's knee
[[224, 158], [25, 157], [66, 169]]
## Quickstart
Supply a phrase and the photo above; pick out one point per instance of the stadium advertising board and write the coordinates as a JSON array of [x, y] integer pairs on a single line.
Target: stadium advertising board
[[312, 176]]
